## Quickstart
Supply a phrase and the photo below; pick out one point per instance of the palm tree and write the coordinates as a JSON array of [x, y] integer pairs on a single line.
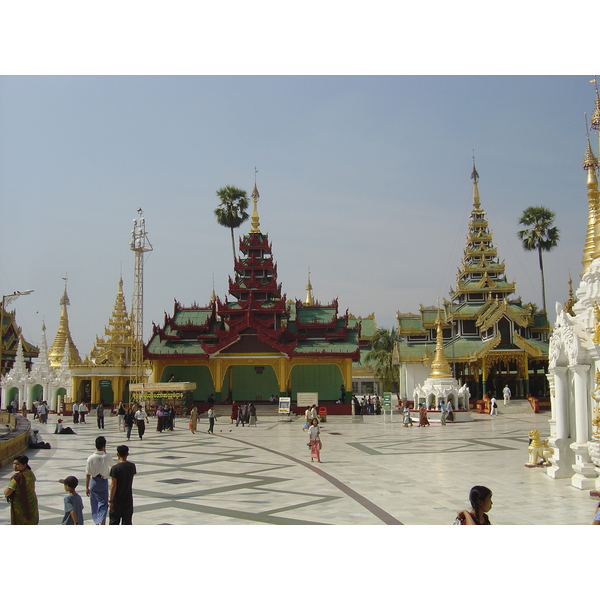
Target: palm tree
[[539, 234], [380, 358], [232, 211]]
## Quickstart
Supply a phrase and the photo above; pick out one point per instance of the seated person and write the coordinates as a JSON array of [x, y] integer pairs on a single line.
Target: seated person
[[61, 429], [36, 441]]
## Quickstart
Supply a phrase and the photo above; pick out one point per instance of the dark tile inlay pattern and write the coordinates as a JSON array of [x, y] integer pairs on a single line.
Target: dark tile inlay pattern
[[177, 481]]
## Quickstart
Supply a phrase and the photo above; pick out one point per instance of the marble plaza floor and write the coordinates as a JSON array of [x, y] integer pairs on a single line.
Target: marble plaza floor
[[374, 472]]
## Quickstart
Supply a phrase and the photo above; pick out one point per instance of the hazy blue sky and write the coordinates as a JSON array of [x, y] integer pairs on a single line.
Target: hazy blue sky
[[364, 179]]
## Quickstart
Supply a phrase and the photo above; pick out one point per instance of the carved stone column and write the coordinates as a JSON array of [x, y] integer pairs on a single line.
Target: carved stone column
[[584, 468], [563, 458]]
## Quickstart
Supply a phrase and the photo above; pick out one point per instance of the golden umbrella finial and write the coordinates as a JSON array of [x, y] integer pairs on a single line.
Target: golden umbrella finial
[[255, 196]]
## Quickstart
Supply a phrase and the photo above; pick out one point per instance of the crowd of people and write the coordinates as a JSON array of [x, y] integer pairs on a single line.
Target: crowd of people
[[113, 502], [108, 482], [367, 405], [243, 415]]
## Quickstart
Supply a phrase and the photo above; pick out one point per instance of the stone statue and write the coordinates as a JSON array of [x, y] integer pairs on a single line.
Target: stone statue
[[539, 452]]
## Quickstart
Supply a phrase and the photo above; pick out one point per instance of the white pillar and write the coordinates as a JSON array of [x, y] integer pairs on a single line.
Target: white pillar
[[585, 470], [563, 457]]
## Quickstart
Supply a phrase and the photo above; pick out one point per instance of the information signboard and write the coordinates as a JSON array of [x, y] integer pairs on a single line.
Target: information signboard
[[307, 398], [387, 401]]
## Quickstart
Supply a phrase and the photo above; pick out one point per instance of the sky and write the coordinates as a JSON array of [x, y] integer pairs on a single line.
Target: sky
[[363, 180]]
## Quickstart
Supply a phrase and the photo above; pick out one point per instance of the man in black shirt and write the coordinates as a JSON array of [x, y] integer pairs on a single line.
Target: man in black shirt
[[121, 494]]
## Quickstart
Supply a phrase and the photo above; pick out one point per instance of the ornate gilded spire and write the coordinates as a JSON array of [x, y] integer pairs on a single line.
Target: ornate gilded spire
[[475, 178], [63, 336], [213, 296], [439, 365], [481, 271], [570, 301], [310, 301], [254, 219], [117, 341], [592, 240], [596, 114]]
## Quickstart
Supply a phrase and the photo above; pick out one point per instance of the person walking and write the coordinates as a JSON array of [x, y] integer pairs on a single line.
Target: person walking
[[160, 418], [100, 416], [75, 413], [141, 418], [240, 417], [407, 420], [307, 418], [443, 412], [234, 413], [449, 411], [43, 412], [121, 412], [480, 498], [97, 471], [252, 415], [129, 422], [193, 419], [314, 432], [423, 420], [82, 410], [493, 407], [121, 489], [21, 494], [211, 419], [506, 393]]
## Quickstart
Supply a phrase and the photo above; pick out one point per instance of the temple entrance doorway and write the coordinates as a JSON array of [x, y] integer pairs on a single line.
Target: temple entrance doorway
[[249, 383], [198, 374], [326, 380]]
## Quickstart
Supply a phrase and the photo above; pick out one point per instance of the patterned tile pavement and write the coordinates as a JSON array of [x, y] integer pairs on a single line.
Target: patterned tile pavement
[[373, 472]]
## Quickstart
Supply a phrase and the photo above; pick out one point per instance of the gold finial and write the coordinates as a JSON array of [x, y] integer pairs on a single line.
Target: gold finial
[[310, 301], [64, 301], [596, 114], [475, 178], [590, 162], [439, 365], [213, 297], [255, 196], [570, 301]]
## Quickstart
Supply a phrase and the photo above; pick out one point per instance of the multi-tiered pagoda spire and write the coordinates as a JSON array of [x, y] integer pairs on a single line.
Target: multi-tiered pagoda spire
[[115, 347], [481, 274], [63, 336]]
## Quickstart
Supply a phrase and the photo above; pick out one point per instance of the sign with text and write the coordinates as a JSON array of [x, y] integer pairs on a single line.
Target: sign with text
[[307, 398], [285, 405]]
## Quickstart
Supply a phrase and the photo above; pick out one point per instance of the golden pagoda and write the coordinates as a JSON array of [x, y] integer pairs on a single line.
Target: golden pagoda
[[63, 337], [490, 339], [115, 347], [310, 301], [440, 369], [103, 377]]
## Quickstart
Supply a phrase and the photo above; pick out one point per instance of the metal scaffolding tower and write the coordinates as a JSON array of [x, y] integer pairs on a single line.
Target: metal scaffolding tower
[[140, 244]]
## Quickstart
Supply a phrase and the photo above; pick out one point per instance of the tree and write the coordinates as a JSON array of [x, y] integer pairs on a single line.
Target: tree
[[380, 358], [539, 234], [232, 210]]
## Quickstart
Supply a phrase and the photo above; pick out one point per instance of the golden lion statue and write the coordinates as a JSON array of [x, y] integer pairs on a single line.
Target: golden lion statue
[[539, 452]]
